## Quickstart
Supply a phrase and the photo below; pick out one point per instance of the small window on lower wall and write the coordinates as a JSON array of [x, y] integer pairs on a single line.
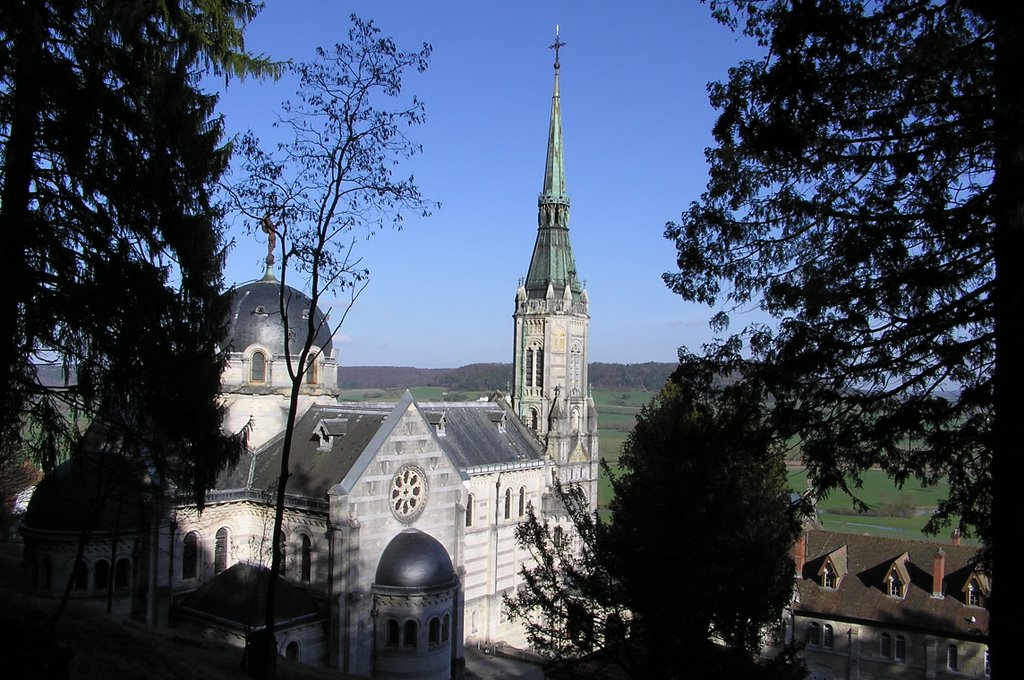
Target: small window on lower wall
[[952, 658], [814, 634], [885, 646], [392, 633], [123, 573], [434, 632], [101, 575], [81, 575], [827, 636], [409, 638], [292, 651], [901, 648]]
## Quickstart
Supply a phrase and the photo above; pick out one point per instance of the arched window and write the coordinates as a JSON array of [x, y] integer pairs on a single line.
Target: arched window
[[827, 636], [558, 536], [952, 658], [522, 501], [258, 368], [900, 653], [974, 594], [533, 419], [45, 574], [814, 634], [392, 633], [312, 371], [895, 585], [885, 646], [469, 509], [282, 541], [540, 368], [81, 575], [434, 631], [292, 651], [306, 567], [101, 575], [123, 573], [446, 627], [190, 555], [529, 368], [508, 503], [409, 638], [828, 577], [220, 551]]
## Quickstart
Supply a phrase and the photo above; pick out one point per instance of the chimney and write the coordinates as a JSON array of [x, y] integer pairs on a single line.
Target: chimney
[[954, 538], [938, 572], [800, 553]]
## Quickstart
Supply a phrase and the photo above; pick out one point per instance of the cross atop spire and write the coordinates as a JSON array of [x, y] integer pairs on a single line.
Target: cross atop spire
[[557, 45]]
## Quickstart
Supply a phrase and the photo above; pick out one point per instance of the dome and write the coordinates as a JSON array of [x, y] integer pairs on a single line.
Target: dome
[[98, 485], [414, 559], [254, 318]]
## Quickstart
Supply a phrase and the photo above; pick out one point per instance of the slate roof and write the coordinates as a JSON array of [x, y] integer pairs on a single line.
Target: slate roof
[[862, 595], [314, 468], [255, 317], [473, 437], [238, 596]]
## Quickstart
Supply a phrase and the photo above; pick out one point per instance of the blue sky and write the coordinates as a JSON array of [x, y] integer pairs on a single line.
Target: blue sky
[[636, 123]]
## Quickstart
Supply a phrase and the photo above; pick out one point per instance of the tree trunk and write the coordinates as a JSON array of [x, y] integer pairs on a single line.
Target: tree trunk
[[1008, 376]]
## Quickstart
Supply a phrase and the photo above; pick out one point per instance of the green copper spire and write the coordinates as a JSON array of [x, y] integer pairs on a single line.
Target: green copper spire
[[552, 263], [554, 168]]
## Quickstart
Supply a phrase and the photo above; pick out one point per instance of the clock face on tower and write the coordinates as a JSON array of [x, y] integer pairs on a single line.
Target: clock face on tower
[[408, 493]]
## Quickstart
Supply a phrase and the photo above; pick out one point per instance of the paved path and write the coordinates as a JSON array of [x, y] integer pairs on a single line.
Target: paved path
[[480, 666]]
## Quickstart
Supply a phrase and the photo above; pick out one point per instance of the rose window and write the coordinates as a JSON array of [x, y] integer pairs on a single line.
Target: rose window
[[408, 493]]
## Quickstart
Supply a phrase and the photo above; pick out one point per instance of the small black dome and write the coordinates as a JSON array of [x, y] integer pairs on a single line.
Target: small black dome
[[255, 318], [414, 559], [99, 489]]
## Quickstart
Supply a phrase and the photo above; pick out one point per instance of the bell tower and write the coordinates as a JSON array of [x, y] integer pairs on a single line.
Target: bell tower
[[550, 389]]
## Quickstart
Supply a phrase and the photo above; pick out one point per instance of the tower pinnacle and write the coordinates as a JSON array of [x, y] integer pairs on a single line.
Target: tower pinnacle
[[552, 262]]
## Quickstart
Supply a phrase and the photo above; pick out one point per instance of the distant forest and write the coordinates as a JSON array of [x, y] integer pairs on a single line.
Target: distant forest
[[486, 377]]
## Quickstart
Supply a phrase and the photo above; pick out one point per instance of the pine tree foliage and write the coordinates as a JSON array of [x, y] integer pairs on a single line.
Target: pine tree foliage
[[867, 191], [692, 572], [111, 264]]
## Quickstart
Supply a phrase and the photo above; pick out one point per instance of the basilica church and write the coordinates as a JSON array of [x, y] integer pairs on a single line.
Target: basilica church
[[398, 536]]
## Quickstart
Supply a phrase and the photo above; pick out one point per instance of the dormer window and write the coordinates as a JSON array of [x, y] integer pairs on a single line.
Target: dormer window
[[897, 578], [439, 420], [498, 418], [258, 368], [833, 568], [328, 429]]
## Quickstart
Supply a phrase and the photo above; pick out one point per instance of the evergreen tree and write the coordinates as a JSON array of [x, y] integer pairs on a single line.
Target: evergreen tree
[[867, 191], [111, 263], [692, 572]]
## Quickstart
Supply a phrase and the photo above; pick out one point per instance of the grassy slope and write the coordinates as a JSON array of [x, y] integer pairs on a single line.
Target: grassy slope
[[104, 647]]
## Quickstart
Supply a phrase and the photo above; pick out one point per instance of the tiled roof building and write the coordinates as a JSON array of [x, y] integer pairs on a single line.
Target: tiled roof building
[[868, 607]]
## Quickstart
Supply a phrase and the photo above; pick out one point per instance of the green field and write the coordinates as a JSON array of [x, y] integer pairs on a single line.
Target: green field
[[893, 512]]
